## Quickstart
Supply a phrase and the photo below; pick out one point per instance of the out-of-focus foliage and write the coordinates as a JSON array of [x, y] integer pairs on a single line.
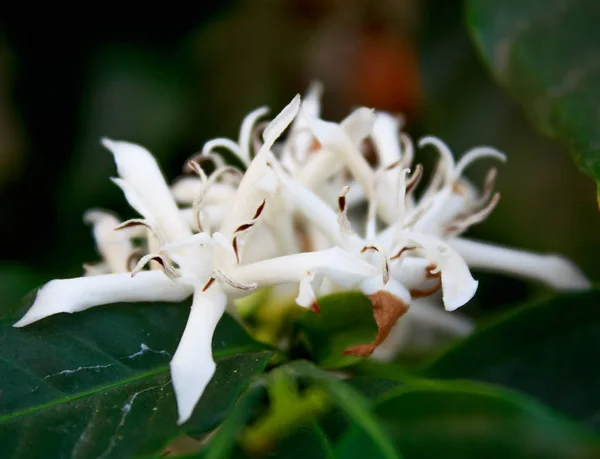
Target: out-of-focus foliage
[[546, 55]]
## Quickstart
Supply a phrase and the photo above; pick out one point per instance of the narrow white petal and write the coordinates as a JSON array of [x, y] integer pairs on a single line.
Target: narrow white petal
[[316, 211], [192, 366], [251, 190], [386, 137], [340, 266], [78, 294], [311, 102], [140, 171], [280, 123], [553, 270]]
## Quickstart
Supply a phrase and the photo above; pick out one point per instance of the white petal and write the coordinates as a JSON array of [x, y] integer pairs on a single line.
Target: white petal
[[553, 270], [249, 193], [114, 246], [316, 211], [186, 189], [359, 124], [412, 273], [139, 170], [317, 169], [276, 127], [78, 294], [335, 139], [458, 285], [306, 293], [386, 137], [223, 142], [192, 366], [340, 266], [311, 102]]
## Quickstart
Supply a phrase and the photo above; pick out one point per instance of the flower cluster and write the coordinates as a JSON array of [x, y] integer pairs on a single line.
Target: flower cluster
[[289, 218]]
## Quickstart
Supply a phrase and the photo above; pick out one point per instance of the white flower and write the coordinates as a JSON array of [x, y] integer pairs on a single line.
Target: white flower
[[193, 264]]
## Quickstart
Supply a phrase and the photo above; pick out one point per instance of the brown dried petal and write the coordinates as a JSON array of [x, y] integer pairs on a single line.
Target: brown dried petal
[[387, 309]]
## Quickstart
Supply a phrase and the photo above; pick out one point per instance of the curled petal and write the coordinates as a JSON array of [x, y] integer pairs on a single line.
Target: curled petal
[[193, 366], [171, 272], [475, 154], [458, 285], [246, 131], [223, 142], [80, 293], [446, 159], [306, 294]]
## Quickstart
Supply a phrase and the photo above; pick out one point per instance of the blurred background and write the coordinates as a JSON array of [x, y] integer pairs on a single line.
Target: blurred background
[[171, 87]]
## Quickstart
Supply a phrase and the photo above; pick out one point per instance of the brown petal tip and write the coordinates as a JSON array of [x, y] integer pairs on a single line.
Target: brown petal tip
[[314, 307], [387, 309]]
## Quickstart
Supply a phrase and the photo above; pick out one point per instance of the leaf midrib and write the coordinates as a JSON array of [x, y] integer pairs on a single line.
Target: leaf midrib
[[122, 382]]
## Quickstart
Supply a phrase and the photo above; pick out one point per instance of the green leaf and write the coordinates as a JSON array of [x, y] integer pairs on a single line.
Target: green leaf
[[546, 55], [548, 349], [96, 384], [307, 442], [224, 440], [349, 400], [335, 424], [345, 319], [470, 420], [16, 284]]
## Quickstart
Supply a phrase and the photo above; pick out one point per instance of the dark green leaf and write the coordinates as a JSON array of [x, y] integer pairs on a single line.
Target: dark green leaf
[[96, 384], [546, 55], [224, 440], [307, 442], [467, 420], [16, 284], [346, 319], [349, 400], [548, 350], [334, 423]]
